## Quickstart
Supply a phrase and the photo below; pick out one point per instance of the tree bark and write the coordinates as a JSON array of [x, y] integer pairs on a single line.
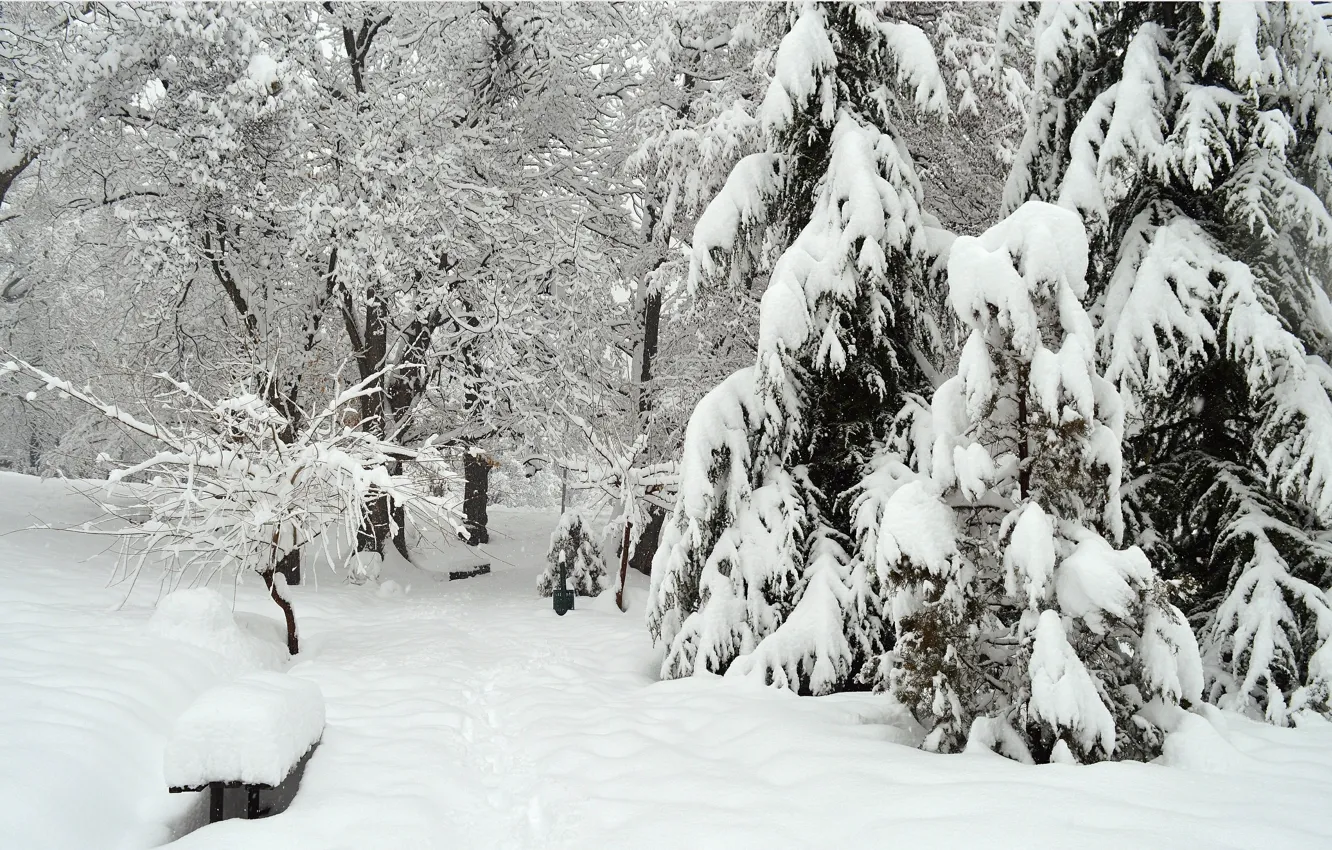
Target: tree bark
[[647, 540], [476, 464], [293, 642], [385, 522], [290, 567], [624, 565], [372, 353], [476, 493], [1023, 444], [399, 512], [647, 351], [9, 175]]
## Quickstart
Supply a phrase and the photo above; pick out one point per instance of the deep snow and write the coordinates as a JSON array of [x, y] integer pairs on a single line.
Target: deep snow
[[467, 714]]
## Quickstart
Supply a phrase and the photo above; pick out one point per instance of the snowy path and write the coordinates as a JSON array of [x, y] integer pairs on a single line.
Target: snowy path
[[469, 715]]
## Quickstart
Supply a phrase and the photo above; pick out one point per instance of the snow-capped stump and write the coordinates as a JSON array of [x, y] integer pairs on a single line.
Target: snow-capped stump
[[254, 733]]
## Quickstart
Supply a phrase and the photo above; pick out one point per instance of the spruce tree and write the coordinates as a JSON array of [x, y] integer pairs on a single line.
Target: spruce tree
[[755, 572], [1196, 143], [573, 547], [1019, 623]]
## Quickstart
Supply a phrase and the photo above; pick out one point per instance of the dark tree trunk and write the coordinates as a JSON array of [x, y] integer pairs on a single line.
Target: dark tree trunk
[[1023, 444], [647, 352], [385, 522], [9, 175], [624, 564], [400, 530], [290, 567], [647, 540], [476, 492], [375, 527], [293, 643], [650, 534]]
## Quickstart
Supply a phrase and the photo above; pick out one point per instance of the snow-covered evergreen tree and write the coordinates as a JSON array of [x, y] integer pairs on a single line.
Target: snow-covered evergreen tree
[[1196, 141], [753, 573], [574, 545], [1016, 615]]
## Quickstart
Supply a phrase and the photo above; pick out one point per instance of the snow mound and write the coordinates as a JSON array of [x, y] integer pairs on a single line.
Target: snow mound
[[200, 617], [1197, 743], [252, 730]]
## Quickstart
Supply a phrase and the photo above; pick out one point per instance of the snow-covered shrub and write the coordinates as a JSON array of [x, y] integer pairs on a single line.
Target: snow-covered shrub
[[235, 487], [1010, 599], [573, 546], [754, 573], [1194, 139]]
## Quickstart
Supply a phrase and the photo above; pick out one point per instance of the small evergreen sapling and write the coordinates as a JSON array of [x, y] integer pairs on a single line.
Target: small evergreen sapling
[[573, 546]]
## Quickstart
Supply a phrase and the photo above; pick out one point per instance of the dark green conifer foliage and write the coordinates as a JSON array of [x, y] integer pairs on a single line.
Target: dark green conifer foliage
[[1196, 142]]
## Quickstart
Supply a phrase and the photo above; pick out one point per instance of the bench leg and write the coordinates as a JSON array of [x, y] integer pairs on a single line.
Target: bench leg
[[252, 807], [214, 802]]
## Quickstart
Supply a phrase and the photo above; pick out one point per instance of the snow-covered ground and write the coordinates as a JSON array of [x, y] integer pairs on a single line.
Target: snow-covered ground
[[467, 714]]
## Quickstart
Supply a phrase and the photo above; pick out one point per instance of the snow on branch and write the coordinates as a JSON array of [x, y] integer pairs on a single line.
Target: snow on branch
[[234, 489], [1269, 642], [1174, 299]]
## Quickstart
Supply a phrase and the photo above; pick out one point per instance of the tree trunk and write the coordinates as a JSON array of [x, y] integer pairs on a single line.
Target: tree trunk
[[646, 352], [624, 564], [293, 643], [1023, 444], [400, 529], [290, 567], [385, 520], [375, 527], [476, 492], [647, 540]]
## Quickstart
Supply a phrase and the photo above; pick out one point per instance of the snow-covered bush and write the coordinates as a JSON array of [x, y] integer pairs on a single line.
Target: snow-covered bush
[[753, 573], [1011, 602], [1194, 139], [235, 487], [572, 545]]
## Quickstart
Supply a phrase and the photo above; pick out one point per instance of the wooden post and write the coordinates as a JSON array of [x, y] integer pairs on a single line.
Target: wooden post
[[252, 802], [624, 565]]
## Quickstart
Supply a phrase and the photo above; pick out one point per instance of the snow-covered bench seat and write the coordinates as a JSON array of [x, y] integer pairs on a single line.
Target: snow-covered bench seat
[[253, 732]]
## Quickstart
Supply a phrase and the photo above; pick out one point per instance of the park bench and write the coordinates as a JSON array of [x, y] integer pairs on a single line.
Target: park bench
[[255, 733], [469, 572]]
